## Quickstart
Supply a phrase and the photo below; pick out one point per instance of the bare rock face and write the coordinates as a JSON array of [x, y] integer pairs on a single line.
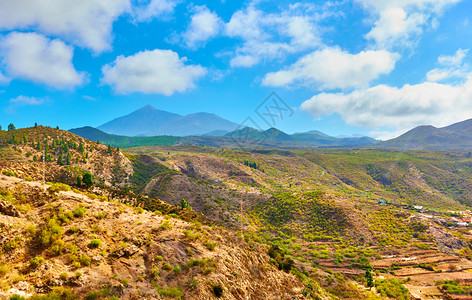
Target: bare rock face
[[446, 241]]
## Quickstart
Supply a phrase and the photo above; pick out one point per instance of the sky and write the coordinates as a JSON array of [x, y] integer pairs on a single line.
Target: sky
[[370, 67]]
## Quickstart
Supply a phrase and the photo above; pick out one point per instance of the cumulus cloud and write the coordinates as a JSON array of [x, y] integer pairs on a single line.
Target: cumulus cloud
[[145, 10], [452, 67], [87, 23], [31, 56], [399, 23], [332, 68], [267, 36], [401, 108], [204, 25], [152, 72]]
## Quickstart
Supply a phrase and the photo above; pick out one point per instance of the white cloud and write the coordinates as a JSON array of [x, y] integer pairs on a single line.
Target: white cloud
[[24, 100], [401, 108], [34, 57], [87, 23], [152, 72], [401, 22], [332, 68], [20, 101], [453, 60], [268, 36], [146, 10], [453, 67], [204, 25]]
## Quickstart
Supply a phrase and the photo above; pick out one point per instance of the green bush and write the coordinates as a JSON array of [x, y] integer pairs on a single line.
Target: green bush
[[36, 262], [392, 288], [170, 292], [218, 291], [95, 243], [79, 211], [85, 260], [9, 173], [50, 233]]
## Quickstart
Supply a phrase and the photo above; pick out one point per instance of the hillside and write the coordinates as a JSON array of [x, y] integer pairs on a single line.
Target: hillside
[[322, 215], [149, 121], [455, 137], [121, 141], [71, 243]]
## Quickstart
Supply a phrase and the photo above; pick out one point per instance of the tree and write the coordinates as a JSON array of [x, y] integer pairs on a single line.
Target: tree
[[87, 179], [0, 127], [110, 149], [79, 181], [68, 158], [183, 203], [60, 160], [81, 148], [35, 125], [11, 127], [369, 278]]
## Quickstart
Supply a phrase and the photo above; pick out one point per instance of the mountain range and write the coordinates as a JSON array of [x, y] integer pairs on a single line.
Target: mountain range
[[149, 121], [426, 137], [150, 126]]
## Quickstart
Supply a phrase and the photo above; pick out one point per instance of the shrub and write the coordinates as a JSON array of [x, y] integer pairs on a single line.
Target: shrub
[[95, 243], [64, 276], [85, 260], [79, 211], [9, 173], [210, 245], [218, 291], [57, 247], [92, 296], [36, 262], [170, 292], [4, 269], [155, 272], [166, 225], [56, 187], [392, 288], [167, 267], [50, 233]]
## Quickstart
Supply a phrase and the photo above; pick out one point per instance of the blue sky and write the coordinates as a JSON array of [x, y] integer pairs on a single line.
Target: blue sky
[[373, 67]]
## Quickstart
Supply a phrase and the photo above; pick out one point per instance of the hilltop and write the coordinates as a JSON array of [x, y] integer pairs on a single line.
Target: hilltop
[[455, 137]]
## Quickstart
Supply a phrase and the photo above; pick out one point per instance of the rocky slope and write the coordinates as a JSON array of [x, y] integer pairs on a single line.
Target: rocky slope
[[55, 240]]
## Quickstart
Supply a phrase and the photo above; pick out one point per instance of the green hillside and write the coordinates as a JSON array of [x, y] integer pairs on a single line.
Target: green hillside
[[123, 141]]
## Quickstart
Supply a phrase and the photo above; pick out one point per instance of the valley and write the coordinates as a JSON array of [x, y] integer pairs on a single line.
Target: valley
[[317, 220]]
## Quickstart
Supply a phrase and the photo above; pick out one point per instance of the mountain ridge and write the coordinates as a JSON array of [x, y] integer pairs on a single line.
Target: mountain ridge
[[149, 121]]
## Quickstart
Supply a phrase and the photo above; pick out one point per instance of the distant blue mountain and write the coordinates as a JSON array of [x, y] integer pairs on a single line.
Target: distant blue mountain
[[149, 121]]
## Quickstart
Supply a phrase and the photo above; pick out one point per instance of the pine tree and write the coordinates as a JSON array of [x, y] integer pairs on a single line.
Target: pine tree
[[68, 159], [11, 127], [87, 179], [369, 278], [60, 160], [81, 148]]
